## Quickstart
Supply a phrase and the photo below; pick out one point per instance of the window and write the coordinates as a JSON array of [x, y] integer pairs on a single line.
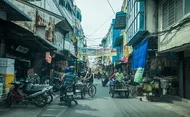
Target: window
[[172, 11], [62, 2], [179, 11], [187, 6]]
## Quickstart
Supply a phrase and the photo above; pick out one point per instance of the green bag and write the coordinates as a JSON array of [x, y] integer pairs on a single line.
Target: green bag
[[138, 75]]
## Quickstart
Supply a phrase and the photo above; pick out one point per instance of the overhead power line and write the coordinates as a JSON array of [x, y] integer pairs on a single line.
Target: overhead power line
[[101, 26], [111, 6]]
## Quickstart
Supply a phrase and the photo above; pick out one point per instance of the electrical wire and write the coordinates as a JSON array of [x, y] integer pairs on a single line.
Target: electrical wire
[[100, 26], [111, 6]]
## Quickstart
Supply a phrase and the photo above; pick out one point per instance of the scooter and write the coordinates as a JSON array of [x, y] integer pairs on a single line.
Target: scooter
[[49, 92], [18, 94]]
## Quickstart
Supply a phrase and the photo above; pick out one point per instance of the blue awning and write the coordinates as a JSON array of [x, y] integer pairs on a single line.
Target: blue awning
[[140, 55], [13, 12]]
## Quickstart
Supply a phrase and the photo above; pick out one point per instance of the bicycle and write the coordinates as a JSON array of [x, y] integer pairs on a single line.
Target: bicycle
[[89, 88]]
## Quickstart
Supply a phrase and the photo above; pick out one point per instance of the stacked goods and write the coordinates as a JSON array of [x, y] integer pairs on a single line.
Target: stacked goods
[[7, 70]]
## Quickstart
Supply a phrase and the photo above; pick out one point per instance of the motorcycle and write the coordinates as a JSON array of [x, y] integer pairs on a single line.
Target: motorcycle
[[49, 91], [68, 95], [18, 94], [56, 84]]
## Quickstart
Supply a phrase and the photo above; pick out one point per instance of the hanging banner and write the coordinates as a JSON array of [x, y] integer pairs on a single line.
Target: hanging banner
[[126, 51], [48, 57], [98, 52]]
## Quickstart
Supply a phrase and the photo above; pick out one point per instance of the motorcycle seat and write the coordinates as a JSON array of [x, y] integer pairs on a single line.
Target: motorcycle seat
[[31, 91]]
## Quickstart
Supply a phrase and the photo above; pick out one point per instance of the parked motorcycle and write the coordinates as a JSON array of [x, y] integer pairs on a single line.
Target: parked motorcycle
[[56, 84], [49, 91], [18, 94]]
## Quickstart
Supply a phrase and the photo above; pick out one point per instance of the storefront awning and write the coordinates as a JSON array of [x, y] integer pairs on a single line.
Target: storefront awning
[[73, 56], [25, 38], [140, 54], [13, 12], [64, 26], [59, 56], [119, 41]]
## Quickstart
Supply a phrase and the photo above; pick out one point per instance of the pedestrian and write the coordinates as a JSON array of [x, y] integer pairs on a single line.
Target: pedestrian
[[89, 77]]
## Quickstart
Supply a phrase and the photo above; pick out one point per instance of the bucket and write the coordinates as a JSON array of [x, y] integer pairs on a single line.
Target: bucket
[[156, 85], [149, 88], [8, 79]]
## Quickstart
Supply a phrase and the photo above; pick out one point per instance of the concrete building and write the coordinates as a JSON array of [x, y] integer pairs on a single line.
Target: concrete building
[[140, 24], [174, 25], [36, 33]]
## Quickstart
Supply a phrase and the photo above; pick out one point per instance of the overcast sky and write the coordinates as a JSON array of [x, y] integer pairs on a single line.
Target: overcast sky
[[94, 14]]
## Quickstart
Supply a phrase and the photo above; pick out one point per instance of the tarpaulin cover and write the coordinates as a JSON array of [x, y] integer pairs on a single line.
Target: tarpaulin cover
[[140, 54]]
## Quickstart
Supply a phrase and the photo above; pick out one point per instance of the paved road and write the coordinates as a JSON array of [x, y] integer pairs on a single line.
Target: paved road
[[102, 105]]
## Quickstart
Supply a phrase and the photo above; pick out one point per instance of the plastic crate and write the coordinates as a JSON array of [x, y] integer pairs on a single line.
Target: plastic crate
[[7, 62], [7, 70]]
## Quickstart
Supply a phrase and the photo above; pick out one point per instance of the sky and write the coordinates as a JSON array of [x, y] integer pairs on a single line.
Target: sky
[[97, 16]]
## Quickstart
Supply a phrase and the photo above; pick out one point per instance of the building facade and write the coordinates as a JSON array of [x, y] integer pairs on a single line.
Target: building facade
[[174, 27]]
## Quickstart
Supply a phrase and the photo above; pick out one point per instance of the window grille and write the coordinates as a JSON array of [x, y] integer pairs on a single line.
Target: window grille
[[187, 6], [178, 9], [172, 11]]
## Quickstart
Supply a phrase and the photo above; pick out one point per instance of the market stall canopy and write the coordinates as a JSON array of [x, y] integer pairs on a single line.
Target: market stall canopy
[[13, 12]]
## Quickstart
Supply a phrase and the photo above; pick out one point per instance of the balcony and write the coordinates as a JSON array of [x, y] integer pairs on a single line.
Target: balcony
[[118, 41], [136, 23], [120, 20]]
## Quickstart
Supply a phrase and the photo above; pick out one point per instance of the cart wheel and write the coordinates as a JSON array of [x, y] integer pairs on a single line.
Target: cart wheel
[[127, 94]]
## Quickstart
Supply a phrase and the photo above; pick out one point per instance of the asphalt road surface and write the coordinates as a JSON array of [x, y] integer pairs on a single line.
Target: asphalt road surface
[[102, 105]]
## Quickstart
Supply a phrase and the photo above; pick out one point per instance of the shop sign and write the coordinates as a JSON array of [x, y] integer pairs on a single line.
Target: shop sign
[[98, 52], [22, 49], [48, 57]]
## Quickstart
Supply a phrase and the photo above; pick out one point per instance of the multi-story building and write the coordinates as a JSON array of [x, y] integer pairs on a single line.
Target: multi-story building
[[40, 32], [141, 22], [174, 38]]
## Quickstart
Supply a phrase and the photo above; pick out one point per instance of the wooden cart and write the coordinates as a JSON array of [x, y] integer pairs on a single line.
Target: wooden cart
[[119, 89]]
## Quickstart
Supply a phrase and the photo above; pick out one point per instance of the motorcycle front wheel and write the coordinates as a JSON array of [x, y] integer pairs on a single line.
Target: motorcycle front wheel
[[49, 98], [41, 101]]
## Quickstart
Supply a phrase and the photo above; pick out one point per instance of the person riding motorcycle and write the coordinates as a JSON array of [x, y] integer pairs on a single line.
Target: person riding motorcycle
[[68, 79]]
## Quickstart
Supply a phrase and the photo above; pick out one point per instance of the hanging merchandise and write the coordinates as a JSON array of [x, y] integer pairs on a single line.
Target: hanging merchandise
[[138, 75]]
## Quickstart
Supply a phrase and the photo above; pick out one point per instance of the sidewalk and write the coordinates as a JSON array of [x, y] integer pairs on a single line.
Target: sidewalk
[[175, 104]]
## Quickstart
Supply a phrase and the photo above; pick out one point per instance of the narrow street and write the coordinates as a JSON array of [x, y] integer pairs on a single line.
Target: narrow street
[[102, 105]]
